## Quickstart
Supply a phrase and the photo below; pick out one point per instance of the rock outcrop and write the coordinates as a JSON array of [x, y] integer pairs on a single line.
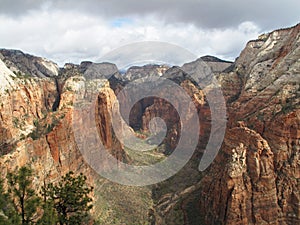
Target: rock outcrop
[[138, 72], [255, 178], [242, 182], [27, 64], [99, 70], [216, 65]]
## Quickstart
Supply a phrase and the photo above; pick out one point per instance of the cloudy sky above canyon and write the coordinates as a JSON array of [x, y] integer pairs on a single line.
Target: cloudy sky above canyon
[[73, 31]]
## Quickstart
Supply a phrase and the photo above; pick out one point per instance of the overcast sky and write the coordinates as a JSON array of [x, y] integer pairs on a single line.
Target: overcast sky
[[74, 31]]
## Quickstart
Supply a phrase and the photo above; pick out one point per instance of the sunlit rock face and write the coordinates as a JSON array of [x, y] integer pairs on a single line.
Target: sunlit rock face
[[33, 133]]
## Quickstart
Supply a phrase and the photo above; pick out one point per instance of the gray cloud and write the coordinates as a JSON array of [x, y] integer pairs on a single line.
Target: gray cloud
[[72, 31], [18, 7], [268, 14]]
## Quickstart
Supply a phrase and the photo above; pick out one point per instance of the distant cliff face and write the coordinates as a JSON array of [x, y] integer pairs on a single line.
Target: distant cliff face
[[28, 64], [253, 180]]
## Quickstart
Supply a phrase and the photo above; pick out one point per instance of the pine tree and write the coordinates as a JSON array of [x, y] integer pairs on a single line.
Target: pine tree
[[8, 215], [70, 199], [24, 199], [49, 216], [3, 201]]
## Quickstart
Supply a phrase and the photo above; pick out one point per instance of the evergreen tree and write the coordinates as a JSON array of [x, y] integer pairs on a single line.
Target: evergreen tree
[[49, 216], [8, 215], [3, 216], [70, 199], [24, 199]]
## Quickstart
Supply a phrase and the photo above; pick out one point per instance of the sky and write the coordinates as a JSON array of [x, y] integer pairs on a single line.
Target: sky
[[74, 30]]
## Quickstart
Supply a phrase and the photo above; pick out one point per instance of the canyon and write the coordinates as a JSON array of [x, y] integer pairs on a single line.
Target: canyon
[[254, 179]]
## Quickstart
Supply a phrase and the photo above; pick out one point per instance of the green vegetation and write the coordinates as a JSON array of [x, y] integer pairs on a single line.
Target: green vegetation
[[43, 127], [288, 106], [117, 204], [69, 198], [77, 79], [23, 196], [69, 88], [21, 78], [8, 215], [18, 123], [64, 203], [21, 75], [140, 158], [260, 116]]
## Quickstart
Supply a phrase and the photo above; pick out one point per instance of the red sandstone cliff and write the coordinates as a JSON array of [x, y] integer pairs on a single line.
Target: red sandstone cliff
[[32, 133]]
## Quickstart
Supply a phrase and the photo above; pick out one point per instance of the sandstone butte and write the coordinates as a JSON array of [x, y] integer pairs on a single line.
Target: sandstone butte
[[255, 178]]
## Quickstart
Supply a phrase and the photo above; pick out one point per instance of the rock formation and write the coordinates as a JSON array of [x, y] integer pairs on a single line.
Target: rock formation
[[32, 133], [262, 92], [17, 61]]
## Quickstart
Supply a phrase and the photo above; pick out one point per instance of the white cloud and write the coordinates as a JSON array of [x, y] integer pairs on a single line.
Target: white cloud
[[74, 36]]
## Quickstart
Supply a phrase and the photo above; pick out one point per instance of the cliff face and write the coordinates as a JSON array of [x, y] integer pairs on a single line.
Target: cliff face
[[240, 188], [32, 133], [255, 178], [23, 100]]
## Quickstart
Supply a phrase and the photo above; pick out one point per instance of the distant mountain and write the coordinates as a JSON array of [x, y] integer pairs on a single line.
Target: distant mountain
[[28, 64], [209, 58]]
